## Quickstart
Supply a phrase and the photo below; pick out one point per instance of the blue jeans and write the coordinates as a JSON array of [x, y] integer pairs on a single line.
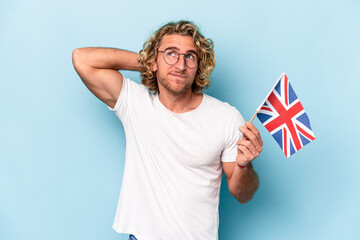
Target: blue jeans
[[132, 237]]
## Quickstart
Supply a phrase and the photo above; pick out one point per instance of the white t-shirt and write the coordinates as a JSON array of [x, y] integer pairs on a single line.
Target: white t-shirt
[[172, 174]]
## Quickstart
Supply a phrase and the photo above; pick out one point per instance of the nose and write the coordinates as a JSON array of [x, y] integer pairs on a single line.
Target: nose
[[181, 65]]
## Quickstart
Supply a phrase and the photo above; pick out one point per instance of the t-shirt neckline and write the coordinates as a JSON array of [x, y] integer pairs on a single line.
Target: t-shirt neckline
[[180, 114]]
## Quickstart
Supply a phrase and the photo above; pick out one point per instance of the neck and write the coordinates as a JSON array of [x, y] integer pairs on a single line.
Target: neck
[[180, 103]]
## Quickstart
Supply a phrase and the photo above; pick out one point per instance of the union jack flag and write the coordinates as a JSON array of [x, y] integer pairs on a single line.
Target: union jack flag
[[284, 117]]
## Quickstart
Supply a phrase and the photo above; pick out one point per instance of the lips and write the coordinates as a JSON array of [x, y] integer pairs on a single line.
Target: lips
[[178, 75]]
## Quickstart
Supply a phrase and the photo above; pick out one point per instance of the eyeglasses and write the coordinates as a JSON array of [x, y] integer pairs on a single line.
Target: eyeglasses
[[172, 56]]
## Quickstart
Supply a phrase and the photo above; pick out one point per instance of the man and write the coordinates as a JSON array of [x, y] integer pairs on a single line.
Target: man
[[179, 140]]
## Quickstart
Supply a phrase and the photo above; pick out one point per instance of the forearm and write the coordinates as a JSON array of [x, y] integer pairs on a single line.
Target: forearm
[[106, 58], [243, 183]]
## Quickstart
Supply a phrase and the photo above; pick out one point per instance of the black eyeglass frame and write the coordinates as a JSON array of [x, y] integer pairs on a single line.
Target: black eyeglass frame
[[197, 64]]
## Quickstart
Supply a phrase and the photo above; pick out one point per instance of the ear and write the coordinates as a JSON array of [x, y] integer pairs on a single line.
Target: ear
[[153, 66]]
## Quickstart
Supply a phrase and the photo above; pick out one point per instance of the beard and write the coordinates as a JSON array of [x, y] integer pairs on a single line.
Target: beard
[[175, 88]]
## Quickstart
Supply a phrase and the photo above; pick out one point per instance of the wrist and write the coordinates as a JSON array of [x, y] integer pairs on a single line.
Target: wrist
[[248, 165], [242, 167]]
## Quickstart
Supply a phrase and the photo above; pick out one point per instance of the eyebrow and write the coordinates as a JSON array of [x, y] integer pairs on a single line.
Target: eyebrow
[[176, 48]]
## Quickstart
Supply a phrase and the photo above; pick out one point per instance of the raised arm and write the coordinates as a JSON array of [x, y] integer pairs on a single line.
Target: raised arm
[[98, 69]]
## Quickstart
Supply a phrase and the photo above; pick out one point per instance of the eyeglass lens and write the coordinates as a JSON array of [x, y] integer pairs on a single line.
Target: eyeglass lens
[[171, 57]]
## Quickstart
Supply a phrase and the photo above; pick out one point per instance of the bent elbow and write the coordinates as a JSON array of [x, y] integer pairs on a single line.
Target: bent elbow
[[245, 200], [243, 197], [75, 55]]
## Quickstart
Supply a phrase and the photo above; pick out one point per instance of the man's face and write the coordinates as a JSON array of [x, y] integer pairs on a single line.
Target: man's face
[[177, 79]]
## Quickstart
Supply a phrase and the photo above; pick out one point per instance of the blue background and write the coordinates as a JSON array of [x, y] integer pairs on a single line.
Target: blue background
[[62, 150]]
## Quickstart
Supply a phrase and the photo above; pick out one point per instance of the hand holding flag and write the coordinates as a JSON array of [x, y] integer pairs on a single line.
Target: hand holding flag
[[250, 144]]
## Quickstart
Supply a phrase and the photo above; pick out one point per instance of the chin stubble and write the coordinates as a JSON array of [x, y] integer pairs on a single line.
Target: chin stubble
[[166, 84]]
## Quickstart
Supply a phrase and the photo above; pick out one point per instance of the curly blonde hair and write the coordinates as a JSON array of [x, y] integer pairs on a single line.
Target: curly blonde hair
[[205, 51]]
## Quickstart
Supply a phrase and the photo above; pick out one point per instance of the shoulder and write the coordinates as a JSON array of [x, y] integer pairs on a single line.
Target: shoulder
[[134, 90], [219, 106], [224, 110], [130, 93], [131, 84]]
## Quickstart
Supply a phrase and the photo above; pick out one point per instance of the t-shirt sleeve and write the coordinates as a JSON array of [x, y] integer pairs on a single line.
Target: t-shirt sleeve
[[118, 102], [233, 135], [129, 91]]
